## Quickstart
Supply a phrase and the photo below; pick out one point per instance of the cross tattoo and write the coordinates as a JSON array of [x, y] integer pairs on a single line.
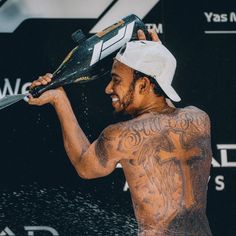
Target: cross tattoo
[[182, 155]]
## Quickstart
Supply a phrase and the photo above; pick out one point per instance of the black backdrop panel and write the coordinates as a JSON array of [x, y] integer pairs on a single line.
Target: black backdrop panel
[[39, 186]]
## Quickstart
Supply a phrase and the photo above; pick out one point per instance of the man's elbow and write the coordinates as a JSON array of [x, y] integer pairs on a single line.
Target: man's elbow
[[90, 174], [87, 174], [83, 174]]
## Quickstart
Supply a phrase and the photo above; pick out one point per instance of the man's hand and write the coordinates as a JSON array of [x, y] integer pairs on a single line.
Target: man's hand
[[50, 96], [153, 34]]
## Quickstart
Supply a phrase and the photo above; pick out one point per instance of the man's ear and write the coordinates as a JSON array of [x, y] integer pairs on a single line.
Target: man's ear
[[144, 85]]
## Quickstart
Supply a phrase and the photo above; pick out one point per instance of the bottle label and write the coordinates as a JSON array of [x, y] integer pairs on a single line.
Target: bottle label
[[110, 28]]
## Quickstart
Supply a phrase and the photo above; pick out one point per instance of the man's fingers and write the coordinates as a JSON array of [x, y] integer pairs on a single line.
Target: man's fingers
[[141, 35], [154, 36], [42, 80], [49, 75], [35, 83], [33, 101], [48, 79]]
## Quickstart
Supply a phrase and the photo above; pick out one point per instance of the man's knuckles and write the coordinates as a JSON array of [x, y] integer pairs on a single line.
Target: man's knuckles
[[154, 35], [141, 35]]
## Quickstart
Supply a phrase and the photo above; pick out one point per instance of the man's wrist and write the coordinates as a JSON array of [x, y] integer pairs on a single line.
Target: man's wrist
[[59, 99]]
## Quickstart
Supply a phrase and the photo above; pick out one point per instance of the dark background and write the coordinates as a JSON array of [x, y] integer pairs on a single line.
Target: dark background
[[38, 185]]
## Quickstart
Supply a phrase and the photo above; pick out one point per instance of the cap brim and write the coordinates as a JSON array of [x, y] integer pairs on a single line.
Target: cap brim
[[170, 92]]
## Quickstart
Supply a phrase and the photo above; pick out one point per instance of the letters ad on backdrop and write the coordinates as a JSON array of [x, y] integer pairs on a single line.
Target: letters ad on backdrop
[[40, 192]]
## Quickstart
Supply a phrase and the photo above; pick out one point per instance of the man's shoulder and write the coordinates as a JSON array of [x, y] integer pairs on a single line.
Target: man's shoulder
[[186, 114], [194, 111], [113, 129], [197, 119], [121, 127]]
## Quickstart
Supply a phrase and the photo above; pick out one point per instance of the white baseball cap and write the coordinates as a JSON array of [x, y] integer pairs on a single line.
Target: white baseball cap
[[153, 59]]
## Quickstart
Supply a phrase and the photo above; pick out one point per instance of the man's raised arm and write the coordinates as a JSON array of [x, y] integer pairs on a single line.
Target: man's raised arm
[[90, 160]]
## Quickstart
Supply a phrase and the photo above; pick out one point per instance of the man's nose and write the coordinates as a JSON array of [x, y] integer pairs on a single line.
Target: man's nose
[[108, 89]]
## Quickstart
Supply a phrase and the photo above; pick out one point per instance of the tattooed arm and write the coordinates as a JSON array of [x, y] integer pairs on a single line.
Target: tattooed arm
[[101, 157], [90, 160]]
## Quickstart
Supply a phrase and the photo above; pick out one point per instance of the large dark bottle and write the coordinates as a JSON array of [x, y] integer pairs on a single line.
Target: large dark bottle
[[81, 64]]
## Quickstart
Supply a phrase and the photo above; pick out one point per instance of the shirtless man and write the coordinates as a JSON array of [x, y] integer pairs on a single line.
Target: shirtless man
[[165, 152]]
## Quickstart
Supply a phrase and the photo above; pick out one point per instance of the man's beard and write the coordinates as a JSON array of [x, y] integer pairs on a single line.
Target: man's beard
[[127, 100]]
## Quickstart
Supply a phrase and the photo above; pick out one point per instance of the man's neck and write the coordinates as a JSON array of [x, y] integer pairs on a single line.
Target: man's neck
[[157, 105]]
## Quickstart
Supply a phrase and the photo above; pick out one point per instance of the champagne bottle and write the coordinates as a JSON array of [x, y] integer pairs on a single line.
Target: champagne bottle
[[82, 63]]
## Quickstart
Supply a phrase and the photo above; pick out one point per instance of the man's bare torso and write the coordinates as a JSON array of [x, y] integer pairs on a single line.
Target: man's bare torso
[[167, 169]]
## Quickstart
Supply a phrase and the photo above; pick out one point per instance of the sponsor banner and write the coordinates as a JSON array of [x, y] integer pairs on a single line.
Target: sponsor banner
[[30, 230], [34, 39], [13, 87], [219, 18]]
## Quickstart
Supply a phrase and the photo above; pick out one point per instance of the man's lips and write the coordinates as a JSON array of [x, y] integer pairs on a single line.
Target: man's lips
[[115, 101], [114, 98]]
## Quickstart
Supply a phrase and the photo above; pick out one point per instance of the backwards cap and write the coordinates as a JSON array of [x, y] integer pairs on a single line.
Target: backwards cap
[[153, 59]]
